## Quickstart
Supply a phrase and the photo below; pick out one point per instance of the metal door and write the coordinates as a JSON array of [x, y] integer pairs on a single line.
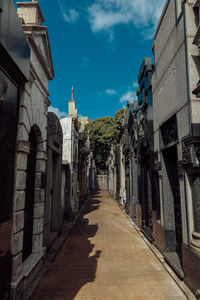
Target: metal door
[[170, 159]]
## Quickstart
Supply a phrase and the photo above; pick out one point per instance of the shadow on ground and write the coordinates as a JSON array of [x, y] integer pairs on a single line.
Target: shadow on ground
[[76, 263]]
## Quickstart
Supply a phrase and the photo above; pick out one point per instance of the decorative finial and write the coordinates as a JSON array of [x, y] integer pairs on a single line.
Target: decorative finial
[[72, 92]]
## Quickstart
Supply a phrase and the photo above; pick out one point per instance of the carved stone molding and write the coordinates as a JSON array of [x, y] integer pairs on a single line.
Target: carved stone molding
[[23, 147], [197, 150], [188, 156], [196, 240], [54, 126], [191, 156], [42, 155]]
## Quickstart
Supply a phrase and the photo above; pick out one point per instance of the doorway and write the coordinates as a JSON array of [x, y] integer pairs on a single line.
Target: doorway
[[174, 206], [29, 198], [54, 193], [8, 132], [146, 196]]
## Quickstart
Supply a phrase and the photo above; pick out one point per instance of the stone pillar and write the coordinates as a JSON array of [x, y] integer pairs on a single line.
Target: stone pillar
[[123, 181], [131, 181], [38, 221], [115, 180], [23, 149]]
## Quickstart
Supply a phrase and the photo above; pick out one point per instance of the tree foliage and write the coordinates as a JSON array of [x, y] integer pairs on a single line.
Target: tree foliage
[[79, 125], [117, 123], [103, 133]]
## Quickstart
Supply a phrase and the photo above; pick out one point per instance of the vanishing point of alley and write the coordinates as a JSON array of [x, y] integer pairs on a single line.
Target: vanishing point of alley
[[104, 258]]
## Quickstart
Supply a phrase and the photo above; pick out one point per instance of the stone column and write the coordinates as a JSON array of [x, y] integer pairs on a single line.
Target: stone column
[[18, 214], [131, 180], [122, 187], [40, 186]]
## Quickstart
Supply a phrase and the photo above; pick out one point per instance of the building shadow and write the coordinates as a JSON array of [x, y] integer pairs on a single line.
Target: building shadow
[[92, 205], [5, 259], [76, 263]]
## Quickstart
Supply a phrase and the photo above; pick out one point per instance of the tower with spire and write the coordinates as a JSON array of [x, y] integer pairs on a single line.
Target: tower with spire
[[72, 111]]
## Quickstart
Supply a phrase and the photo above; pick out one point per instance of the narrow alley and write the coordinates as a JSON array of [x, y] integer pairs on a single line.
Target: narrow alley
[[105, 258], [99, 150]]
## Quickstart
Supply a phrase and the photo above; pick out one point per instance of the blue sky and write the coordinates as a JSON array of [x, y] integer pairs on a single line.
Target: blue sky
[[98, 46]]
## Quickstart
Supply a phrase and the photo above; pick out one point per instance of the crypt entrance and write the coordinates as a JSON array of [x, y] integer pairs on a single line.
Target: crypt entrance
[[54, 209], [171, 195], [145, 191]]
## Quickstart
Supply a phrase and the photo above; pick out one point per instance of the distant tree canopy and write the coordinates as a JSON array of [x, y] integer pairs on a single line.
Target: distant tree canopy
[[117, 123], [79, 125], [104, 133]]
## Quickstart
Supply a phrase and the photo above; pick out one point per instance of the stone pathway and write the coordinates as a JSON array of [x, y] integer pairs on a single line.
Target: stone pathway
[[104, 258]]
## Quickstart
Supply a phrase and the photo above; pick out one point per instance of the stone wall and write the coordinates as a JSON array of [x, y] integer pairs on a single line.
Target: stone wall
[[102, 182], [70, 156], [32, 123]]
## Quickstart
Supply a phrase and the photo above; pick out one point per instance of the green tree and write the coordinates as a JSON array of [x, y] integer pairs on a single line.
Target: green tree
[[117, 123], [104, 133]]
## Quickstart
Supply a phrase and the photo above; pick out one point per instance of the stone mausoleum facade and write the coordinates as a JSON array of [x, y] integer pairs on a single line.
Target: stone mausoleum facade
[[176, 137], [14, 73], [70, 157], [162, 136], [31, 154]]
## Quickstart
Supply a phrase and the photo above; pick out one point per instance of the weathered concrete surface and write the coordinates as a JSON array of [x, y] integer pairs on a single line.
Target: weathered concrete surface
[[102, 182], [105, 258]]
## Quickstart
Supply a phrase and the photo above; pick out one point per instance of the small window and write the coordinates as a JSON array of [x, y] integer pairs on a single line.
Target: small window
[[196, 12], [197, 15]]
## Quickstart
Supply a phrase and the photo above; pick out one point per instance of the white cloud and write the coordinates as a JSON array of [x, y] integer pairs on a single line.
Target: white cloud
[[135, 84], [110, 92], [70, 15], [104, 15], [81, 116], [129, 96], [55, 110]]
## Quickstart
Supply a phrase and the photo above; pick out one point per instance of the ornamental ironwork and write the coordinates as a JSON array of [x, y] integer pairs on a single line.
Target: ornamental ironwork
[[191, 155], [169, 131], [188, 156]]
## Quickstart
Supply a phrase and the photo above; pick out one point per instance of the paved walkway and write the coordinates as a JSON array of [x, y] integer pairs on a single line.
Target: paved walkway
[[104, 258]]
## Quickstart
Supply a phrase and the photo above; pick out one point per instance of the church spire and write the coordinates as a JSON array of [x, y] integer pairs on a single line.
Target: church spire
[[72, 111], [72, 93]]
